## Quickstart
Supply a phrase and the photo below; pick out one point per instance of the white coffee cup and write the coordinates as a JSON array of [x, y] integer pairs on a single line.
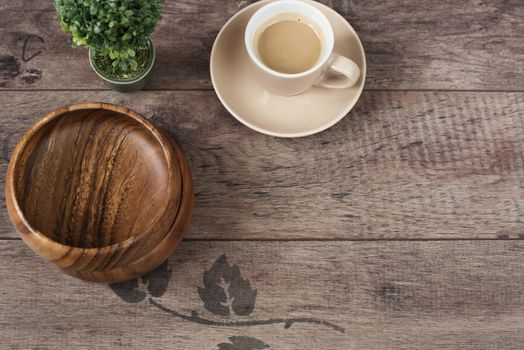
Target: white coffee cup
[[329, 62]]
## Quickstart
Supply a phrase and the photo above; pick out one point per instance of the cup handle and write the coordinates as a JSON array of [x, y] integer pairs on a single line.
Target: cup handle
[[340, 65]]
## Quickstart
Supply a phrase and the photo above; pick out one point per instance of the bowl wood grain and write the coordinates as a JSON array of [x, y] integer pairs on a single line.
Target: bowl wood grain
[[99, 191]]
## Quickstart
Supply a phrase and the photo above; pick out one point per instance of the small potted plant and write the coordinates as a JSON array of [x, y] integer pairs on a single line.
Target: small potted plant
[[117, 33]]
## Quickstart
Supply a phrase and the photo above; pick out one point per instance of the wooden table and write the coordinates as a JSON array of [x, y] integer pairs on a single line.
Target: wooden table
[[401, 227]]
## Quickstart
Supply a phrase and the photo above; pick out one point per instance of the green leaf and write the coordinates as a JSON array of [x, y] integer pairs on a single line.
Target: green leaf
[[133, 64], [110, 25], [113, 55]]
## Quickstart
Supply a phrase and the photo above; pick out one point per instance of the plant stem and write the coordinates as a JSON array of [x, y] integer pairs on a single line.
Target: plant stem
[[288, 322]]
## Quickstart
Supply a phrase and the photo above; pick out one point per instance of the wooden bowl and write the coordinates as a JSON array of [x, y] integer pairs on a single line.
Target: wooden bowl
[[99, 191]]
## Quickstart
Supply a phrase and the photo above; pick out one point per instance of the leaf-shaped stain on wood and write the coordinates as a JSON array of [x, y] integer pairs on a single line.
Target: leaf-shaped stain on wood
[[225, 291], [158, 280], [128, 291], [153, 283], [243, 343]]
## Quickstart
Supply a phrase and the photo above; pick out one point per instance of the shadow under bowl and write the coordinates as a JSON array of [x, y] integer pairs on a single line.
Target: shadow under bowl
[[99, 191]]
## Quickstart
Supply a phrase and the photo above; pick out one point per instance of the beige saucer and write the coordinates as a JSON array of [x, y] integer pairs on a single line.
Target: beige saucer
[[263, 111]]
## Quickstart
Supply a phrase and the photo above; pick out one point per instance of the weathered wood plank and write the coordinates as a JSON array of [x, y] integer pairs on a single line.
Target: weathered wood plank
[[382, 295], [419, 165], [422, 45]]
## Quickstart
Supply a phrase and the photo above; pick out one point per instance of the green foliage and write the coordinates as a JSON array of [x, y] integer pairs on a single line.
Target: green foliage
[[113, 28]]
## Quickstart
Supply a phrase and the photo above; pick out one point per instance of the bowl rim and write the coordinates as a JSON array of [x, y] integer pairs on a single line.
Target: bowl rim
[[57, 247]]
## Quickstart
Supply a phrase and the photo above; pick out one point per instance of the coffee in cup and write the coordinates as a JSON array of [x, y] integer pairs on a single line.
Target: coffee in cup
[[291, 47], [289, 43]]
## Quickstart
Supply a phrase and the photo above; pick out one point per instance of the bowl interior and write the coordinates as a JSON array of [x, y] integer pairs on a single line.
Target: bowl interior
[[92, 178]]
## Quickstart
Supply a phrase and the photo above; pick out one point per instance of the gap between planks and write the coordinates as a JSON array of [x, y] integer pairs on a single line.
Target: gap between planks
[[211, 89], [378, 240]]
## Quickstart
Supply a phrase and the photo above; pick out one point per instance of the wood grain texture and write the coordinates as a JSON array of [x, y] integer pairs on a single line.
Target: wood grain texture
[[464, 45], [78, 178], [401, 165], [383, 295], [99, 191]]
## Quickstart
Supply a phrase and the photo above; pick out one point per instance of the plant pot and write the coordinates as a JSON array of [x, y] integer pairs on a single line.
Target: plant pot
[[126, 85]]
